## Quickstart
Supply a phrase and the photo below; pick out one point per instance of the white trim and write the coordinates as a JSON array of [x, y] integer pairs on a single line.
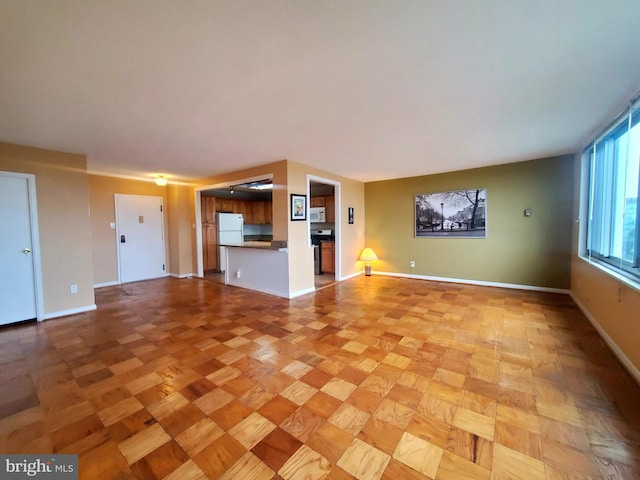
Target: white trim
[[72, 311], [199, 258], [299, 293], [184, 275], [35, 239], [476, 282], [352, 275], [106, 284], [166, 275], [337, 230], [617, 351]]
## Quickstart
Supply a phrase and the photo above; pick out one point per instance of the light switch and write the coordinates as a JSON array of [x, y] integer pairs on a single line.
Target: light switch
[[141, 219], [112, 225], [527, 212]]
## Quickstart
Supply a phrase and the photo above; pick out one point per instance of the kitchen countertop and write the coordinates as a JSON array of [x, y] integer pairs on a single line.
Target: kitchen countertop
[[274, 245], [259, 238], [256, 244]]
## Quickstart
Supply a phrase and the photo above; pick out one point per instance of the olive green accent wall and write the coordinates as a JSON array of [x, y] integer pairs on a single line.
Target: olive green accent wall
[[532, 251]]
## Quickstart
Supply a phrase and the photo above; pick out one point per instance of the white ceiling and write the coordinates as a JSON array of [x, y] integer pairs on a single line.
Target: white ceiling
[[367, 89]]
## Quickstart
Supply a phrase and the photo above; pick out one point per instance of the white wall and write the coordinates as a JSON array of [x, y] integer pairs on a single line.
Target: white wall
[[259, 269]]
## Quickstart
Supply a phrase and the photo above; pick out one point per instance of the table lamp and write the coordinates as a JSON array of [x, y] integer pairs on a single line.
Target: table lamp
[[368, 256]]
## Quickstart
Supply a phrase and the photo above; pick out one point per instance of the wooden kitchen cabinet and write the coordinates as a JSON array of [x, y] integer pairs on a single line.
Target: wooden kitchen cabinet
[[253, 212], [258, 212], [208, 209], [240, 206], [209, 233], [327, 201], [225, 205], [330, 208], [317, 201], [327, 257], [268, 212], [209, 247]]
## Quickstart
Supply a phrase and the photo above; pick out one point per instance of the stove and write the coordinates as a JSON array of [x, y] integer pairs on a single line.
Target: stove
[[319, 235]]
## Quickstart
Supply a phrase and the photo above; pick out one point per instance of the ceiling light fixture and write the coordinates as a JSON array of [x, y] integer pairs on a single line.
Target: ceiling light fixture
[[260, 186], [161, 180]]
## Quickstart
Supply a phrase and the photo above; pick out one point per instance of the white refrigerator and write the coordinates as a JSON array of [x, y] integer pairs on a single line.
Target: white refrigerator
[[229, 233]]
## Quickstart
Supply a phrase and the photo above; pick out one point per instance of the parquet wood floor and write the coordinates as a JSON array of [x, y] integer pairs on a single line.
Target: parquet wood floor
[[372, 378]]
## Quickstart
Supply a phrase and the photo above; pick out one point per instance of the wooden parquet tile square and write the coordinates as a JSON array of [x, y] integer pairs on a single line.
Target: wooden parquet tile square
[[160, 462], [199, 435], [219, 456], [143, 443], [302, 424], [249, 467], [349, 419], [277, 409], [383, 436], [363, 460], [276, 448], [371, 378], [418, 454], [305, 463]]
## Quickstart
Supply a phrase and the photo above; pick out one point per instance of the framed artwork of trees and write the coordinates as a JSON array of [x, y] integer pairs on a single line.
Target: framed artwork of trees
[[458, 213]]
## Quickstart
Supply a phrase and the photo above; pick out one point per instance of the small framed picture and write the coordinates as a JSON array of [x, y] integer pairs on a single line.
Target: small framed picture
[[298, 207]]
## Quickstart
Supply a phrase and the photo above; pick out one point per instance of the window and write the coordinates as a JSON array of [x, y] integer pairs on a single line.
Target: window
[[613, 226]]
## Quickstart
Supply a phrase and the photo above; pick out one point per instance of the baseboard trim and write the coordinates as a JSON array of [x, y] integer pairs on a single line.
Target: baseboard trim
[[299, 293], [617, 351], [184, 275], [72, 311], [352, 275], [482, 283], [106, 284]]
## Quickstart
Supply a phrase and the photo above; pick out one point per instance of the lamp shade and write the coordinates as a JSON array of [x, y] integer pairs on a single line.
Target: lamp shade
[[368, 255]]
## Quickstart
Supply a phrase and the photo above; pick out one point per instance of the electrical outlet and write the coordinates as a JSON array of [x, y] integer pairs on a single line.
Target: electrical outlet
[[74, 288], [412, 264]]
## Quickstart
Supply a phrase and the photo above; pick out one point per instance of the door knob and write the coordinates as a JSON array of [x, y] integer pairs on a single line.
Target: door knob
[[26, 251]]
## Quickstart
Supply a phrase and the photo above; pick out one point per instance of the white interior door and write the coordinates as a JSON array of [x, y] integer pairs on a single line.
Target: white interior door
[[140, 237], [17, 268]]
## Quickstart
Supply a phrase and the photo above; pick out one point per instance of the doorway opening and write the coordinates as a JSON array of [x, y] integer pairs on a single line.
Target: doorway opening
[[250, 198], [140, 237], [322, 231], [21, 280]]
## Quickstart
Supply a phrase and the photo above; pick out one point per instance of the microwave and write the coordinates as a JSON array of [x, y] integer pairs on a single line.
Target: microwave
[[317, 215]]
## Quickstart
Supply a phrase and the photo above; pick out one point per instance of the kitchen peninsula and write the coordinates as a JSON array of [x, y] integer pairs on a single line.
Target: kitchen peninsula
[[261, 266]]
